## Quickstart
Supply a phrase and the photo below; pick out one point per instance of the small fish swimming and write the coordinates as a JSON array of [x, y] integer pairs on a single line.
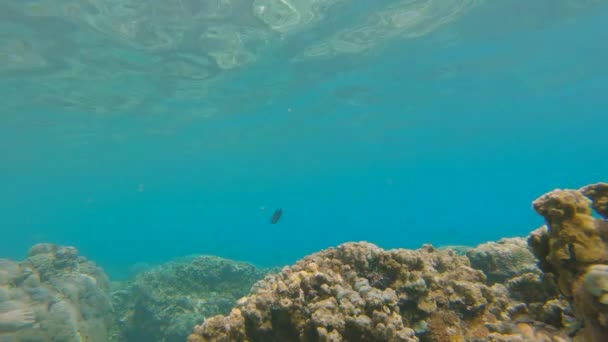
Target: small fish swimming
[[276, 216]]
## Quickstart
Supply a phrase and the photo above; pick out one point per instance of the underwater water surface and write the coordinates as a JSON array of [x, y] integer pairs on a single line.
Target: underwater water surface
[[143, 131]]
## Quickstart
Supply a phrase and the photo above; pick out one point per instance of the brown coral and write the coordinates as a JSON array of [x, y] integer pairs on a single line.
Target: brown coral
[[359, 292], [503, 259], [574, 247], [598, 193], [574, 239]]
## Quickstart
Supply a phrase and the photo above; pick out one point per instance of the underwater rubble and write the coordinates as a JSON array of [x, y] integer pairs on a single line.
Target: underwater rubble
[[549, 286]]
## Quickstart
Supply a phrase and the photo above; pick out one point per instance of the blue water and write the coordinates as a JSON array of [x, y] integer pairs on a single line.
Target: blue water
[[444, 138]]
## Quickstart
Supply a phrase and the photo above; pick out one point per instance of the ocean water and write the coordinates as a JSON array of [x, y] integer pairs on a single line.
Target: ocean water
[[141, 131]]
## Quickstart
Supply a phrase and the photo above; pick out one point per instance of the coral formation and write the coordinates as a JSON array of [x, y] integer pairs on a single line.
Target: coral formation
[[533, 295], [504, 259], [573, 246], [595, 282], [16, 319], [53, 295], [598, 193], [164, 303], [458, 249], [359, 292]]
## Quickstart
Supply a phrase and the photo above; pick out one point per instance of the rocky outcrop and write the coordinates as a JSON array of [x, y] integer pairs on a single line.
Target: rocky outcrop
[[53, 295]]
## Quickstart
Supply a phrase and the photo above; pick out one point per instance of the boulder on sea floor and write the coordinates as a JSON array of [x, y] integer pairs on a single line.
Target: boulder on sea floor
[[54, 295], [164, 303]]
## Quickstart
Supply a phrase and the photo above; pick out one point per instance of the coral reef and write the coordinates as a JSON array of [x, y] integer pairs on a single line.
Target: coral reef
[[359, 292], [458, 249], [552, 286], [53, 295], [504, 259], [533, 295], [164, 303], [598, 193], [573, 246]]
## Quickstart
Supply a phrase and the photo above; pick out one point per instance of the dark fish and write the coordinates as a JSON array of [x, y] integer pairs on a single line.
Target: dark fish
[[276, 216]]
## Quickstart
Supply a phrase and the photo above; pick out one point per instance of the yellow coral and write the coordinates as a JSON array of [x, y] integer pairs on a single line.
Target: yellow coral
[[575, 241]]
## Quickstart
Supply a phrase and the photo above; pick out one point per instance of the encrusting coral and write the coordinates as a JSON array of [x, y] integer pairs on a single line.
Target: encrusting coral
[[574, 247]]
